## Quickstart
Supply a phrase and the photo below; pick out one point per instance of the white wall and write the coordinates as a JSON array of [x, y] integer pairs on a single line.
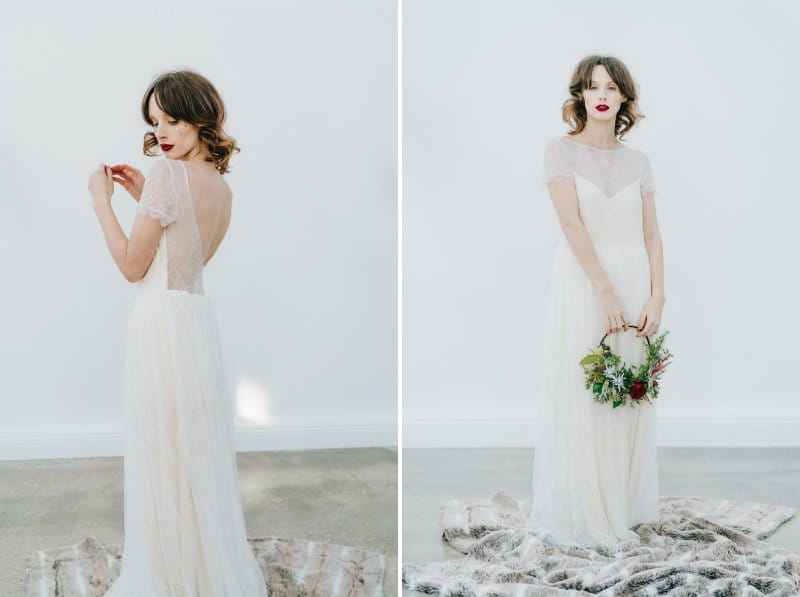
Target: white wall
[[305, 282], [483, 87]]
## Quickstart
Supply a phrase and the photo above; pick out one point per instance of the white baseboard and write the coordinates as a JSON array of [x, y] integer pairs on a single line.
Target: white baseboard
[[429, 431], [37, 445], [674, 430]]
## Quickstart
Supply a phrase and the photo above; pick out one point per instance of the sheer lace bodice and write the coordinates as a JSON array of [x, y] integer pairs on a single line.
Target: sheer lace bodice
[[178, 262], [609, 184], [611, 170]]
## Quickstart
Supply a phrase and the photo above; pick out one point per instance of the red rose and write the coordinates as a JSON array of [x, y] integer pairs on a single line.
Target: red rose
[[638, 389]]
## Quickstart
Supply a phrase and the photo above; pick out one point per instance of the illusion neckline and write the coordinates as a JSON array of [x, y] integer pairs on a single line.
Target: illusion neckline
[[595, 148]]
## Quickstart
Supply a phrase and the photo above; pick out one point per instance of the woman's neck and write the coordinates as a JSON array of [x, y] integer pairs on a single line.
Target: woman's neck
[[598, 134], [199, 157]]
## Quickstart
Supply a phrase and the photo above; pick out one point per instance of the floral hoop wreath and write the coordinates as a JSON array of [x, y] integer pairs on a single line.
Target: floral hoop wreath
[[613, 381]]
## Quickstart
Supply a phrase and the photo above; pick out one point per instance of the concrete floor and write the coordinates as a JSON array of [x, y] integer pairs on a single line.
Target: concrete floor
[[432, 476], [346, 496]]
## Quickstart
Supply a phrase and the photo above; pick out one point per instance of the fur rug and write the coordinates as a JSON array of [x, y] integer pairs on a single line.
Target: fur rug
[[700, 546], [293, 568]]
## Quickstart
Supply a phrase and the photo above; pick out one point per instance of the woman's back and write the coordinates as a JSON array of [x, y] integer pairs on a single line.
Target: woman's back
[[193, 203], [211, 199]]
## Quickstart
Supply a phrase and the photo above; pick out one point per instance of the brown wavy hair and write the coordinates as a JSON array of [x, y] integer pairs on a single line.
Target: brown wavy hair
[[573, 112], [189, 96]]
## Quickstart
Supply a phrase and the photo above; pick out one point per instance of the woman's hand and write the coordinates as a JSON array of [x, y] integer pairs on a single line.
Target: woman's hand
[[130, 178], [614, 317], [101, 184], [651, 316]]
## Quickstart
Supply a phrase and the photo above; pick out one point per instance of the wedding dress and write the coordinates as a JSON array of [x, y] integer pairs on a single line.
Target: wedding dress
[[597, 524], [595, 468], [184, 526]]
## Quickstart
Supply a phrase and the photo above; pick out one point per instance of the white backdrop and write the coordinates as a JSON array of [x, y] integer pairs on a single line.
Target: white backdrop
[[483, 88], [305, 282]]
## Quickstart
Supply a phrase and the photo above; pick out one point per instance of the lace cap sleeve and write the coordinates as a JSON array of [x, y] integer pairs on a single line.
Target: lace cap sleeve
[[158, 195], [648, 184], [557, 167]]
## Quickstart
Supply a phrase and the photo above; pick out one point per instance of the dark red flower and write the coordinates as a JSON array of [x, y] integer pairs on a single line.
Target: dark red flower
[[638, 389]]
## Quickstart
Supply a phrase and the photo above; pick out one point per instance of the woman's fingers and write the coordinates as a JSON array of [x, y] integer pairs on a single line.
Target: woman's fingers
[[122, 174], [123, 181], [128, 171], [649, 329], [616, 322]]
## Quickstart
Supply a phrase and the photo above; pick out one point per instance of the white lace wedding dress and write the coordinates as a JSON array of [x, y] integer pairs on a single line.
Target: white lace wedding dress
[[595, 468], [184, 526]]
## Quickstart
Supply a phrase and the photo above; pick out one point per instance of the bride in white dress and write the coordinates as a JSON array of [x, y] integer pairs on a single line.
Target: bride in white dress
[[597, 525], [595, 468], [184, 526]]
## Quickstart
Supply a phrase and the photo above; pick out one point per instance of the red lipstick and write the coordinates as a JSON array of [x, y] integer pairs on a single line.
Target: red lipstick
[[166, 147], [601, 107]]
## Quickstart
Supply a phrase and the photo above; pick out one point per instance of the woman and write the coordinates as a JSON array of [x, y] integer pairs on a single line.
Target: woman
[[184, 526], [595, 469], [597, 524]]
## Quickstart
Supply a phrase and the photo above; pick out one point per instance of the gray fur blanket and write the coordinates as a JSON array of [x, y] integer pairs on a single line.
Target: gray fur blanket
[[700, 546], [292, 567]]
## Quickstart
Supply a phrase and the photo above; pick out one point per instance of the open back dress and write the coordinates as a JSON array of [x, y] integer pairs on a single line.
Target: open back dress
[[184, 525]]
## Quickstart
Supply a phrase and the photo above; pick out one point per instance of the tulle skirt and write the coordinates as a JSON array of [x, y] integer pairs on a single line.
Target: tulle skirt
[[184, 526], [595, 468]]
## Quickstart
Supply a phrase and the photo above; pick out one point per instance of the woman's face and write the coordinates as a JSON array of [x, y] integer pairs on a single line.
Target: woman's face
[[602, 99], [178, 139]]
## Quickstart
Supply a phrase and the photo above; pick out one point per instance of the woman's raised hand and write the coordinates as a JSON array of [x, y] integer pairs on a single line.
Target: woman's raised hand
[[101, 186], [130, 178], [614, 316]]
